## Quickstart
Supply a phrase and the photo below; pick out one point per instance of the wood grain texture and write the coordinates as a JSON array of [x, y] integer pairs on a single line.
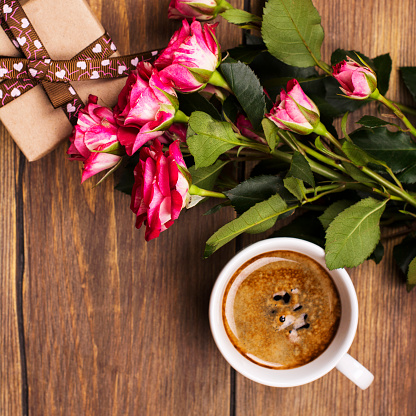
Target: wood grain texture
[[386, 333], [115, 325], [10, 353]]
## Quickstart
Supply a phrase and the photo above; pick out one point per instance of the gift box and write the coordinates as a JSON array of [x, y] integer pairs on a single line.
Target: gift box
[[64, 28]]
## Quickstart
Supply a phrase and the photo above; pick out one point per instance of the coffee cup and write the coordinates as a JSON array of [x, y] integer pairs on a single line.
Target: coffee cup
[[336, 353]]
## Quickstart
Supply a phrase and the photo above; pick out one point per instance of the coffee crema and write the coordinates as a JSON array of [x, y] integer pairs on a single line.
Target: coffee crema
[[281, 309]]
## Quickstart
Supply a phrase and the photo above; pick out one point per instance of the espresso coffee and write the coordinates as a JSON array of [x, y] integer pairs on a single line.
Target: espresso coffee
[[281, 309]]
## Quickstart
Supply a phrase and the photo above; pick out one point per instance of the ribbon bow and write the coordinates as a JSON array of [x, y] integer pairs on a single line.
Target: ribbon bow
[[19, 75]]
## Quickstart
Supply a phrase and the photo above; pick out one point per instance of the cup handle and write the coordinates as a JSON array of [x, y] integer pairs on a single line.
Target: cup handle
[[356, 372]]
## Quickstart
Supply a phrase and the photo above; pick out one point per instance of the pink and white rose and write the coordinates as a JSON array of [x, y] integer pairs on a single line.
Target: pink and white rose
[[146, 107], [160, 189], [294, 110], [95, 133], [191, 57], [357, 81], [198, 9]]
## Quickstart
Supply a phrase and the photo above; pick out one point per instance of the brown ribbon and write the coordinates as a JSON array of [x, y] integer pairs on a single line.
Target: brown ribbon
[[19, 75]]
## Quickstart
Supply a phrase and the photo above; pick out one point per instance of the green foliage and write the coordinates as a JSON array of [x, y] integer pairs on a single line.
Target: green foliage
[[396, 149], [373, 122], [332, 211], [411, 275], [300, 169], [205, 177], [247, 89], [353, 235], [295, 186], [306, 226], [405, 255], [409, 78], [208, 139], [270, 131], [241, 18], [196, 102], [292, 31], [254, 190], [258, 218]]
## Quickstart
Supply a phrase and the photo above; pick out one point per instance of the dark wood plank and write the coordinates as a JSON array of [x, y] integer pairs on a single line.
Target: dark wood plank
[[115, 325], [10, 357], [386, 332]]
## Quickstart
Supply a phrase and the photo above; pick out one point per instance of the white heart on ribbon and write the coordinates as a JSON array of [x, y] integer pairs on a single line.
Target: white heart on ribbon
[[121, 69], [135, 61], [70, 108], [97, 48], [21, 41], [25, 23], [154, 53], [106, 62], [60, 74], [3, 72], [18, 67], [72, 91], [7, 9], [113, 47], [47, 61], [15, 93], [33, 72], [37, 44], [95, 75], [1, 94], [16, 45], [81, 65]]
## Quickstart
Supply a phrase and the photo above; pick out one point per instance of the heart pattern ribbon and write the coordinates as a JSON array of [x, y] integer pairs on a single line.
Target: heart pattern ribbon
[[19, 75]]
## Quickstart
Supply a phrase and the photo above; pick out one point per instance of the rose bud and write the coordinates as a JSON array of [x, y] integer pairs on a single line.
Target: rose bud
[[200, 9], [93, 136], [191, 58], [146, 107], [294, 110], [160, 189], [246, 128], [357, 82]]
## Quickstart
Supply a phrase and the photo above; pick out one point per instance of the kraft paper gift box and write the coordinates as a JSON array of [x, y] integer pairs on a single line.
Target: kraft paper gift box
[[65, 27]]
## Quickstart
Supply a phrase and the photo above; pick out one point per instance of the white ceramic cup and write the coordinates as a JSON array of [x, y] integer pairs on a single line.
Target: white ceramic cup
[[336, 353]]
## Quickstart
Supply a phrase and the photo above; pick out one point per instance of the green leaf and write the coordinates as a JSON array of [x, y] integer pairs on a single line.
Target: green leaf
[[409, 78], [205, 177], [292, 31], [332, 211], [269, 167], [357, 155], [238, 17], [295, 186], [353, 235], [299, 168], [373, 122], [196, 102], [383, 65], [247, 89], [408, 175], [231, 108], [306, 227], [255, 190], [378, 253], [396, 149], [208, 139], [260, 217], [404, 252], [246, 53], [270, 131], [356, 174], [411, 275]]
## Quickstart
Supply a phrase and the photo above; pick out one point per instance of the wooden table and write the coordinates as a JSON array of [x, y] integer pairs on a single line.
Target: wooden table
[[95, 321]]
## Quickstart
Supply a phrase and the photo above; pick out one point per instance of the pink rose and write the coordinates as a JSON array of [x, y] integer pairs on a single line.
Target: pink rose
[[160, 189], [246, 128], [191, 57], [96, 130], [146, 107], [198, 9], [294, 110], [357, 81]]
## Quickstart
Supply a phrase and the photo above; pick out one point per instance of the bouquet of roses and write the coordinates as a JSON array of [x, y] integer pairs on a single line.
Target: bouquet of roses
[[186, 121]]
